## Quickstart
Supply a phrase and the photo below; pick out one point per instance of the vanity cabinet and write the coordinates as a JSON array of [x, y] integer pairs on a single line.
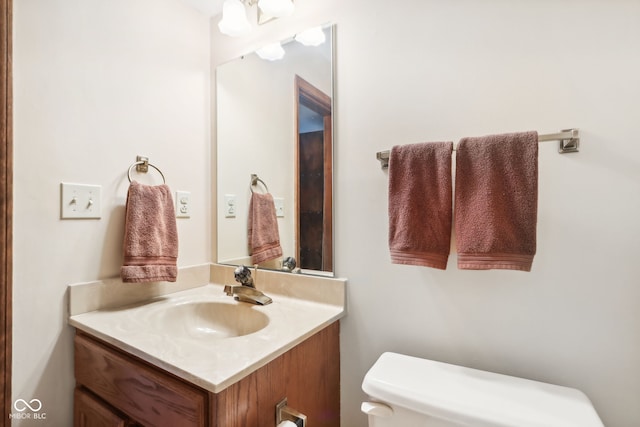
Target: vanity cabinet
[[115, 388]]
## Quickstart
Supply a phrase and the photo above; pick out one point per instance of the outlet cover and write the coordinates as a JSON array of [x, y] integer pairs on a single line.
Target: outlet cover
[[183, 204], [279, 202], [230, 207]]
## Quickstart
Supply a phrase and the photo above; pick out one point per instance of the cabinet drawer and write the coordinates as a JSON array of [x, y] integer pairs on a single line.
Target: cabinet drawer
[[90, 412], [143, 393]]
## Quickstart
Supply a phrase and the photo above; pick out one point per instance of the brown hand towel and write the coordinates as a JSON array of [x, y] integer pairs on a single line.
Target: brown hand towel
[[263, 234], [420, 204], [496, 201], [150, 235]]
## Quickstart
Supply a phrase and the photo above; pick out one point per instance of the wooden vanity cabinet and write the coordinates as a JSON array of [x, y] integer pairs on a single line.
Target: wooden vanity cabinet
[[114, 388], [89, 411]]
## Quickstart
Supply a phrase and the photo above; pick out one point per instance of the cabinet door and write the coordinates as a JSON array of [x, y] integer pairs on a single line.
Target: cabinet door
[[90, 412], [307, 375], [144, 393]]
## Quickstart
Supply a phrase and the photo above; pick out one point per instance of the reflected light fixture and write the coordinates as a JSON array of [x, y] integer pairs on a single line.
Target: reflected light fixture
[[276, 8], [271, 52], [311, 37], [234, 20]]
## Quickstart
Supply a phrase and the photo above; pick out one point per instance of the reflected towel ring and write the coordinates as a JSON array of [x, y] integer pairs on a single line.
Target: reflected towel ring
[[254, 182], [142, 162]]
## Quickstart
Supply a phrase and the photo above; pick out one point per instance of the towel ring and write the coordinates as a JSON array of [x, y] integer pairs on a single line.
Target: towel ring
[[142, 161], [255, 180]]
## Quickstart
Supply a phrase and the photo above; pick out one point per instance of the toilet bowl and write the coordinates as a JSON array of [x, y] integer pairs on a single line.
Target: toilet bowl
[[413, 392]]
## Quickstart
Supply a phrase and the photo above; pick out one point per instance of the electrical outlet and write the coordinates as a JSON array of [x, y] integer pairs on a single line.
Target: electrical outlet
[[183, 204], [279, 203], [80, 201], [230, 205]]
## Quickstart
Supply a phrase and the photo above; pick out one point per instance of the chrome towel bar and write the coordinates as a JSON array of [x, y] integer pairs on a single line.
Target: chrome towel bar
[[569, 143]]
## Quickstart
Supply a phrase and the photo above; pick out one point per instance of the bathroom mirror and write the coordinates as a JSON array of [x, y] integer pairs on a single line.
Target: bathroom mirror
[[274, 120]]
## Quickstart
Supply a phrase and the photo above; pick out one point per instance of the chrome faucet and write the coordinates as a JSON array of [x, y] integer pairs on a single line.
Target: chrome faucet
[[246, 290]]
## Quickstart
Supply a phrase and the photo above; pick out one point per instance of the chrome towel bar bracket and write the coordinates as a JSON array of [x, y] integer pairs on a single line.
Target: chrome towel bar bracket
[[570, 144]]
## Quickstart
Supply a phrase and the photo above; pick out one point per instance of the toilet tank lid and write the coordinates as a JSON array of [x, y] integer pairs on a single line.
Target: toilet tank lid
[[475, 397]]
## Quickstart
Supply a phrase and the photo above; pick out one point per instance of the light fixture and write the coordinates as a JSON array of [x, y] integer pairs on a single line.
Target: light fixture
[[234, 20], [276, 8], [311, 37], [271, 52]]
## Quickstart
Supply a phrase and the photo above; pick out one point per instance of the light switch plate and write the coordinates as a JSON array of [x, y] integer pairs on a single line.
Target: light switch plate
[[80, 201], [183, 204]]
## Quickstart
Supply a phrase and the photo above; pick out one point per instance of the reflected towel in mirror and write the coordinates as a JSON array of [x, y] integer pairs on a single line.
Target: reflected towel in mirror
[[263, 233]]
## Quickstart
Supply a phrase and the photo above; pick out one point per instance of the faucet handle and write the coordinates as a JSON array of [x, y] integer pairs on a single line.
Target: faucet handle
[[242, 275], [289, 263]]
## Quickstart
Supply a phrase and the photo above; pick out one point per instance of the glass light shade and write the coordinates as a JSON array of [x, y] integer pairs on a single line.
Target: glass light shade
[[271, 52], [276, 8], [311, 37], [234, 20]]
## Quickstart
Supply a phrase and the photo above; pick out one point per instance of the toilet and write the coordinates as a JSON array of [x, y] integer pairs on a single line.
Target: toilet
[[412, 392]]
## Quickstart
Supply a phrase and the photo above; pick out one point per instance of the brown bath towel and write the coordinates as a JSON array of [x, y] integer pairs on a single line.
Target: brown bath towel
[[496, 201], [150, 235], [420, 204], [263, 233]]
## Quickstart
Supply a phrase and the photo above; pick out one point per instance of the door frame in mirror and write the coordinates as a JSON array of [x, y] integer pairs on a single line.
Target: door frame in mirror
[[311, 97]]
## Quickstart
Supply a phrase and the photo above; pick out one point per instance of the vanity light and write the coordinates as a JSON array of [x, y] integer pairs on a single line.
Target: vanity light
[[276, 8], [271, 52], [311, 37], [234, 20]]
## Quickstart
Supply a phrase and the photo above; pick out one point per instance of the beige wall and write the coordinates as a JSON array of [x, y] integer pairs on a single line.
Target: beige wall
[[431, 70], [96, 83]]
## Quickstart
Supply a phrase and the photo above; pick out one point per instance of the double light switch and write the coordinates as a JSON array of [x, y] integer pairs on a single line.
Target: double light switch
[[80, 201]]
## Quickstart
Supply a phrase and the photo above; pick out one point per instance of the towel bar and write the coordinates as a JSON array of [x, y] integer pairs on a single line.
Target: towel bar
[[569, 143]]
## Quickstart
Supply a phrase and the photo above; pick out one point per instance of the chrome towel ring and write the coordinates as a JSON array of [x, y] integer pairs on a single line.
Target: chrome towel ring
[[255, 180], [142, 165]]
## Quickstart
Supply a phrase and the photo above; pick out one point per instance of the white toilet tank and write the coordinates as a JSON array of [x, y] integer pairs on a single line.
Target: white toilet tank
[[412, 392]]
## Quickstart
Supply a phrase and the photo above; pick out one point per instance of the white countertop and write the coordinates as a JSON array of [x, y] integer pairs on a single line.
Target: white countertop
[[212, 364]]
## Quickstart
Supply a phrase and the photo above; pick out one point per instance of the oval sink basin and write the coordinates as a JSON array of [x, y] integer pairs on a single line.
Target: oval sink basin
[[207, 320]]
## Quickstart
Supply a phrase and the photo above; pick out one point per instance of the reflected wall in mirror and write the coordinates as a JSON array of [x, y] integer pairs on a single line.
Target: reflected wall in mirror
[[274, 120]]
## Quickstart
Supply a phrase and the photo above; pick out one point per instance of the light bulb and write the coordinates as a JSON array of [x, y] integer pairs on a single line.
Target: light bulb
[[276, 8], [271, 52], [234, 21], [311, 37]]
